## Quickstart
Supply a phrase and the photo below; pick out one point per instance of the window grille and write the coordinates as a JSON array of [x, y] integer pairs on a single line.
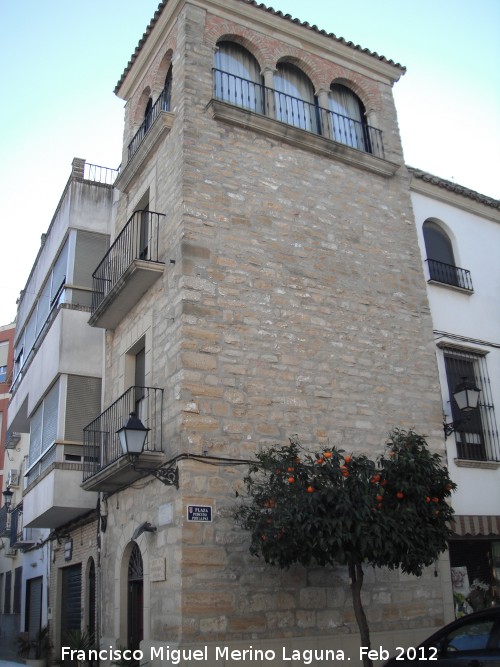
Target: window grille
[[476, 433]]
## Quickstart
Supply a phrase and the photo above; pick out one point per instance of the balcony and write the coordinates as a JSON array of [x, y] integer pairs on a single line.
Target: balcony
[[53, 495], [161, 104], [106, 467], [155, 127], [129, 268], [447, 274], [297, 121], [20, 538]]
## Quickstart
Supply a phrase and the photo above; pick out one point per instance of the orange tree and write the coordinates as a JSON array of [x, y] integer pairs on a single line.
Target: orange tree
[[334, 507]]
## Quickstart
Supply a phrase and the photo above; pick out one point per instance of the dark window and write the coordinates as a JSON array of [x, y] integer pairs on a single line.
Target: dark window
[[148, 115], [476, 431], [18, 580], [440, 258], [135, 602], [167, 91], [8, 592]]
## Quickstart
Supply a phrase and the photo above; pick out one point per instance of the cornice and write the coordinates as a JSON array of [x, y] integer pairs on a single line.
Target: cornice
[[352, 54], [454, 194]]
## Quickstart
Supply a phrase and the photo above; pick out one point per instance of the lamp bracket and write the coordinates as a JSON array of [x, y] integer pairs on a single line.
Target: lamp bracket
[[451, 427], [168, 476]]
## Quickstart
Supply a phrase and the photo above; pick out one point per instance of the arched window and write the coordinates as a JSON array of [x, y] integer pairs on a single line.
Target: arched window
[[167, 91], [437, 244], [295, 100], [148, 115], [347, 118], [237, 77], [440, 258]]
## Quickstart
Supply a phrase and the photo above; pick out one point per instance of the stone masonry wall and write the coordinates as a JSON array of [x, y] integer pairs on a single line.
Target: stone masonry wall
[[295, 304], [305, 313]]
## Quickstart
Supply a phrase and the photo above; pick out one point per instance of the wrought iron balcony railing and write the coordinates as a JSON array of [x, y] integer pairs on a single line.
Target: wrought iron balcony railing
[[161, 104], [449, 274], [297, 112], [138, 240], [101, 444]]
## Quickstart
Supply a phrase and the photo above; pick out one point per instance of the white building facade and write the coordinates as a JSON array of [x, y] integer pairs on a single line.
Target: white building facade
[[459, 238]]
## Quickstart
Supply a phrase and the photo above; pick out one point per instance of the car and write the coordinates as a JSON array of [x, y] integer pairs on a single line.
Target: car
[[470, 641]]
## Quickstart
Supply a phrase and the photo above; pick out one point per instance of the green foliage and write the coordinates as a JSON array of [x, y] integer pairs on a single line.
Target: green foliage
[[37, 647], [334, 507], [78, 640]]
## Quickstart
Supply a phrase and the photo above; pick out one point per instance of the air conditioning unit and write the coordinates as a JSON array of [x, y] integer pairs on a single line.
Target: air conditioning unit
[[11, 553], [11, 439], [13, 477]]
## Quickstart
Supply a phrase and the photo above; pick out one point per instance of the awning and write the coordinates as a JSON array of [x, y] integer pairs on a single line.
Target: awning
[[465, 525]]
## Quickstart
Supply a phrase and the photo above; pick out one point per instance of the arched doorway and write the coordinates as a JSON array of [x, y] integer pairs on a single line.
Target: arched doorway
[[135, 599], [91, 600]]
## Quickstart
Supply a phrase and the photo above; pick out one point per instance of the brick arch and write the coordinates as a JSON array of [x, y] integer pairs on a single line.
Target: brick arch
[[302, 61], [218, 29], [366, 90], [162, 70], [139, 106]]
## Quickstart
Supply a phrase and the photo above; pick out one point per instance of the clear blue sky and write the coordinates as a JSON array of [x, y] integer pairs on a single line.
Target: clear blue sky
[[61, 61]]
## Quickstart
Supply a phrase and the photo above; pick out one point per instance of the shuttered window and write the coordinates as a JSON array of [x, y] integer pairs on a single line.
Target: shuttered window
[[89, 248], [18, 580], [83, 404], [36, 436], [43, 425], [71, 598], [34, 589]]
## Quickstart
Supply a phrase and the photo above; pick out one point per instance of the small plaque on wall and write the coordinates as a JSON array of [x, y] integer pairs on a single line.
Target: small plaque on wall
[[157, 570]]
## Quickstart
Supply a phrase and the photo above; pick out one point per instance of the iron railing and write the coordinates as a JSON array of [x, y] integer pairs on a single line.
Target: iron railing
[[139, 239], [98, 174], [161, 104], [101, 444], [298, 112], [449, 274], [476, 432]]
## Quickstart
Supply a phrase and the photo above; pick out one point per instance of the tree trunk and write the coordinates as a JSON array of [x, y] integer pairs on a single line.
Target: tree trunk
[[356, 575]]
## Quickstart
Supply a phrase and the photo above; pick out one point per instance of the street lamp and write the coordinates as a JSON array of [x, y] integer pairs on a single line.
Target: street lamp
[[466, 395], [132, 440], [7, 497], [133, 436]]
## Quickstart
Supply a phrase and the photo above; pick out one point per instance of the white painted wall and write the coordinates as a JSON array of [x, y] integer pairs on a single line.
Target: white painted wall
[[474, 230]]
